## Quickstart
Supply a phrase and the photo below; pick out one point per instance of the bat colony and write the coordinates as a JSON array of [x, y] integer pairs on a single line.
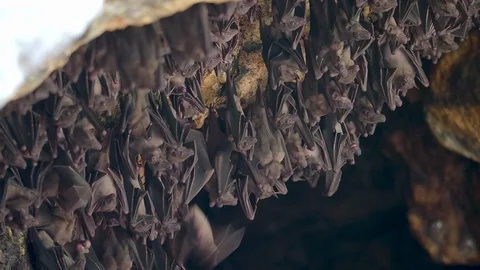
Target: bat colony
[[101, 162]]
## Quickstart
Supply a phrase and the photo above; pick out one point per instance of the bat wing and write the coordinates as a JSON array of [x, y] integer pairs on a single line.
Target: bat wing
[[44, 257], [415, 59], [227, 240], [122, 195], [195, 240], [244, 196], [223, 169], [203, 169], [75, 192], [92, 261]]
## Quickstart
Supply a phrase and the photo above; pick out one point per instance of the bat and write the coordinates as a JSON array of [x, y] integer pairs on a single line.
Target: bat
[[203, 170], [92, 262], [408, 14], [422, 36], [58, 224], [445, 8], [322, 21], [227, 51], [269, 149], [127, 106], [362, 74], [113, 248], [83, 135], [15, 202], [66, 110], [296, 151], [194, 42], [145, 258], [406, 67], [224, 31], [73, 190], [45, 251], [366, 113], [100, 160], [238, 127], [162, 260], [244, 6], [244, 194], [178, 127], [10, 152], [221, 12], [221, 186], [284, 63], [290, 18], [198, 243], [215, 60], [350, 28], [359, 48], [301, 124], [163, 202], [393, 35], [108, 191], [335, 141], [283, 107], [188, 102], [378, 6], [142, 217]]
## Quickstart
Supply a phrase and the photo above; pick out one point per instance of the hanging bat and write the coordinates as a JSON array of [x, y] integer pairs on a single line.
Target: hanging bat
[[114, 248], [162, 260], [83, 135], [284, 63], [221, 186], [406, 67], [270, 150], [99, 161], [407, 14], [290, 18], [366, 113], [238, 128], [445, 8], [221, 12], [322, 22], [45, 252], [9, 149], [127, 106], [283, 107], [336, 142], [243, 187], [350, 28], [195, 42], [15, 202], [71, 188], [362, 74], [107, 192], [188, 103], [145, 258], [165, 209], [378, 6], [304, 114], [393, 35], [224, 31], [422, 36], [178, 127], [143, 218], [203, 170], [227, 53]]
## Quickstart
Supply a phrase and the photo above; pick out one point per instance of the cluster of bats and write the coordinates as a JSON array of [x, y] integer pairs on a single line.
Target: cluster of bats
[[101, 162]]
